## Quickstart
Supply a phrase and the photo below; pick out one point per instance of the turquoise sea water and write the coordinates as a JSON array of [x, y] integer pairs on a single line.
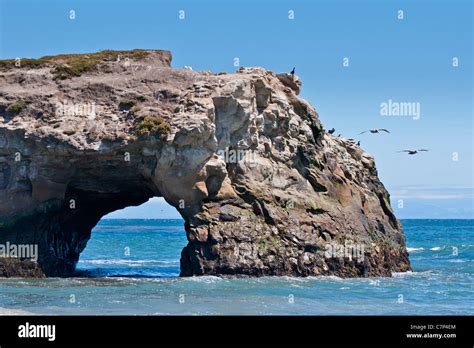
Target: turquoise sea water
[[131, 267]]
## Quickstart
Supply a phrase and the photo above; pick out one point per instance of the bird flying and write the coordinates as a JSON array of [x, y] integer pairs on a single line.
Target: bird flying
[[413, 152], [376, 130]]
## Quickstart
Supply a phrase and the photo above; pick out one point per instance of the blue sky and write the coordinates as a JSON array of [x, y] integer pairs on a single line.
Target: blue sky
[[407, 60]]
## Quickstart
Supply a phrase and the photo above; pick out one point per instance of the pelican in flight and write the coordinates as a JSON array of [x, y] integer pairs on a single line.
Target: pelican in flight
[[376, 130], [413, 152]]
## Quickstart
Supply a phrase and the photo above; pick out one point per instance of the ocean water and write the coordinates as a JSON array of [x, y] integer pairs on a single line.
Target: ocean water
[[130, 267]]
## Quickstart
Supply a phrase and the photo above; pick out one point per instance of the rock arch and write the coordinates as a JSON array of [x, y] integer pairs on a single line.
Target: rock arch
[[273, 214]]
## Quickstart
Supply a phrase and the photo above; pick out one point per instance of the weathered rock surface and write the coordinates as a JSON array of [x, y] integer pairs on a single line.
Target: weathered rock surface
[[15, 267], [263, 188]]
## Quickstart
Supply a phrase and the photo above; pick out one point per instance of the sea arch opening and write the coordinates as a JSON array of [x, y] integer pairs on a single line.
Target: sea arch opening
[[136, 241]]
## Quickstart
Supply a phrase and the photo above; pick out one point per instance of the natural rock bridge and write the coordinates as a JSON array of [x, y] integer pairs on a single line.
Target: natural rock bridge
[[84, 135]]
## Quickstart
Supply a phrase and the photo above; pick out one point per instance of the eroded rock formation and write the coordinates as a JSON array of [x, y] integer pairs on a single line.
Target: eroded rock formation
[[263, 188]]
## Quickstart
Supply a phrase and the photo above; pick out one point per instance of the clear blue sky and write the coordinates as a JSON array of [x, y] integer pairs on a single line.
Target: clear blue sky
[[402, 60]]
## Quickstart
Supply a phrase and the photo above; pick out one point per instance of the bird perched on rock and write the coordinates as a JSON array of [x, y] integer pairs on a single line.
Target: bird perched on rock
[[413, 152], [358, 143], [332, 130], [292, 72], [376, 130]]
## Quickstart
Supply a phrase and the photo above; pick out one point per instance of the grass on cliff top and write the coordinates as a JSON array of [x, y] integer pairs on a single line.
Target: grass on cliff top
[[70, 65], [151, 126]]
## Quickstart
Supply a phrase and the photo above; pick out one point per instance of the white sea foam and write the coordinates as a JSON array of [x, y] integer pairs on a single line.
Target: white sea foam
[[204, 279], [291, 279], [330, 277], [8, 311], [411, 274], [375, 282], [127, 262], [410, 250], [437, 248]]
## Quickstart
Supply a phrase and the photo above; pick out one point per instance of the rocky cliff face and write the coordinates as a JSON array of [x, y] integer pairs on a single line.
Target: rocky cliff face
[[263, 188]]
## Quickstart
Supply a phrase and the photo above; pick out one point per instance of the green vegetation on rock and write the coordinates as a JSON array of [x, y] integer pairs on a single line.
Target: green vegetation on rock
[[151, 126], [15, 109], [70, 65]]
